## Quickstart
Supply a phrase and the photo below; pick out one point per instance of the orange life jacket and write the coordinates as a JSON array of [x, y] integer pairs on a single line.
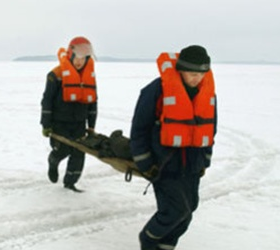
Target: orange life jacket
[[185, 122], [77, 87]]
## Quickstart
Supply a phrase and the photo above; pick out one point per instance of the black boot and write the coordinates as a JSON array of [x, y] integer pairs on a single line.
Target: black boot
[[53, 170], [165, 247], [73, 188]]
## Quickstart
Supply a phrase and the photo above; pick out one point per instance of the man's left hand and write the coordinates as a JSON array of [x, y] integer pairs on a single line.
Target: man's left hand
[[152, 173]]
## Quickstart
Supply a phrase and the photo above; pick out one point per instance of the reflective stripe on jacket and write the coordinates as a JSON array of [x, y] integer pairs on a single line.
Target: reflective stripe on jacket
[[77, 87], [185, 122]]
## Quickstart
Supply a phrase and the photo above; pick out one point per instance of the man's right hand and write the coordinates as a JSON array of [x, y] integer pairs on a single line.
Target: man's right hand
[[47, 131]]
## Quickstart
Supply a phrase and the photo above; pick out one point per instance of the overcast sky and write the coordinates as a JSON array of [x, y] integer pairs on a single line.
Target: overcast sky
[[231, 30]]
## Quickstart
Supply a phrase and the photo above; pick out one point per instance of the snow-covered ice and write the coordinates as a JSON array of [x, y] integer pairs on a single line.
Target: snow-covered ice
[[240, 194]]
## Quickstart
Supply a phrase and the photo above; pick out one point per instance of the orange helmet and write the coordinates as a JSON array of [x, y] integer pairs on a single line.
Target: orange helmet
[[79, 47]]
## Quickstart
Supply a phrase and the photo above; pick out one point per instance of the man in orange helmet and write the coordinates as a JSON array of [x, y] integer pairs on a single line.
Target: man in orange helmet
[[172, 136], [69, 102]]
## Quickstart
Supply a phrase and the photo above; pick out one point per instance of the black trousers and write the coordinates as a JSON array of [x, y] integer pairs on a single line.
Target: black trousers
[[61, 151], [177, 198]]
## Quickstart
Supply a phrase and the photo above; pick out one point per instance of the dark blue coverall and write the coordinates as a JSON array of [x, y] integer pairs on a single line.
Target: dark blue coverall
[[68, 120], [176, 189]]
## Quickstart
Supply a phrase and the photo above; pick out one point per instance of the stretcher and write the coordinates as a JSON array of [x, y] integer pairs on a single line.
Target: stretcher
[[122, 165]]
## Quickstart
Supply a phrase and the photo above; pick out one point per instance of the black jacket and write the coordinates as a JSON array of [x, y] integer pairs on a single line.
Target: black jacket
[[145, 139], [54, 109]]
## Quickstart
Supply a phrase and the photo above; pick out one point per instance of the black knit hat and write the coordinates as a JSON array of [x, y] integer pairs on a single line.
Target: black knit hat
[[193, 58]]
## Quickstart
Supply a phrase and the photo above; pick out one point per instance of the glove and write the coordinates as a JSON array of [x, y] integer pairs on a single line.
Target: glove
[[47, 131], [202, 172], [90, 131], [152, 173]]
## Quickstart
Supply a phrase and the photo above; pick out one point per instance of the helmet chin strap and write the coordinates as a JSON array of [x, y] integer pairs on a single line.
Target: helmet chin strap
[[72, 57]]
